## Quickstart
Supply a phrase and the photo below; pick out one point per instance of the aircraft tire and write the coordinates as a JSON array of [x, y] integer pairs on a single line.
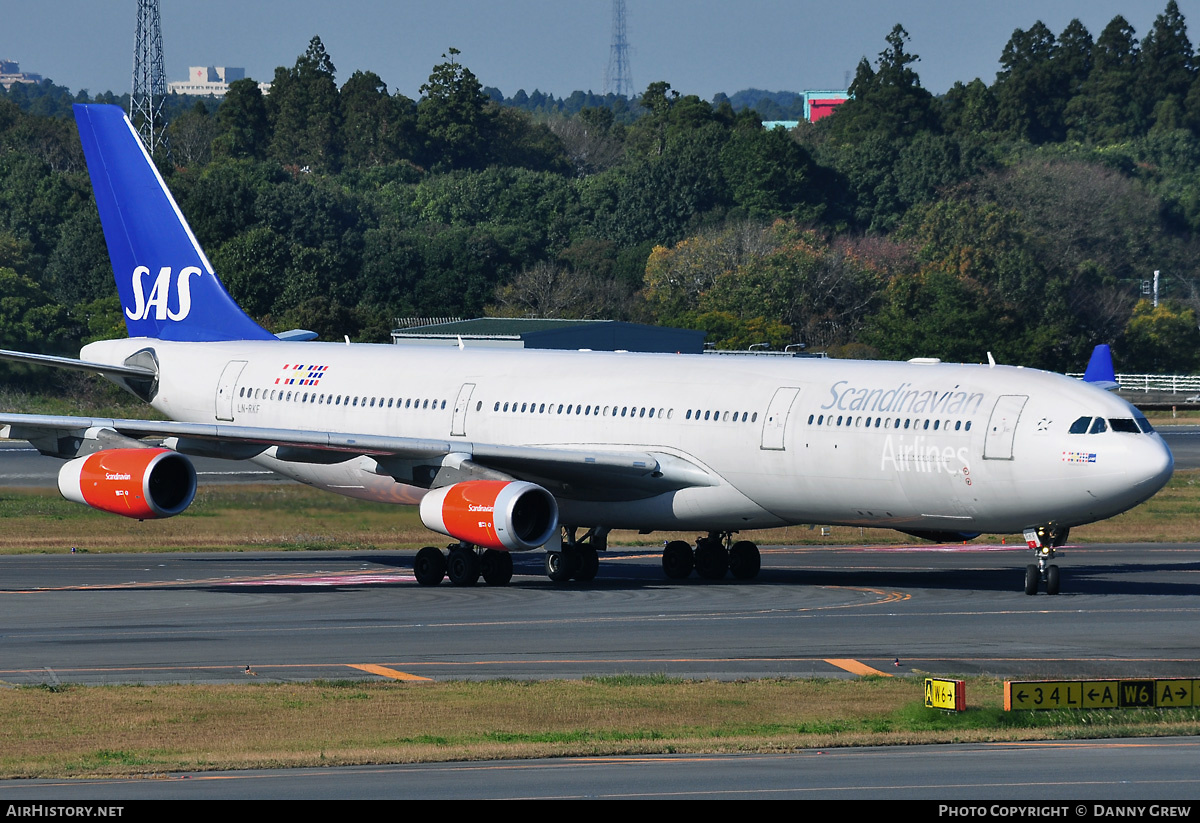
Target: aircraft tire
[[1052, 580], [429, 566], [712, 561], [463, 567], [1032, 578], [558, 566], [677, 560], [744, 560], [496, 567], [588, 564]]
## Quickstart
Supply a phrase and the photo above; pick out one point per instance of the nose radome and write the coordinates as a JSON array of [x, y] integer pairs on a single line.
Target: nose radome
[[1153, 464]]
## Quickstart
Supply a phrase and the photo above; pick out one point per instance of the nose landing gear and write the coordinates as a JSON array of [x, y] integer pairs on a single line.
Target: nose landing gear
[[1043, 540]]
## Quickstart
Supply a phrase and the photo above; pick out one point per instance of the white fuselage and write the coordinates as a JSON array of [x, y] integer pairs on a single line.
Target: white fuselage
[[935, 447]]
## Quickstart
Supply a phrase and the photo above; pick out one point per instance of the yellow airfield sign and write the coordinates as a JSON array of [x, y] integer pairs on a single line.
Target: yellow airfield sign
[[1101, 694], [941, 693]]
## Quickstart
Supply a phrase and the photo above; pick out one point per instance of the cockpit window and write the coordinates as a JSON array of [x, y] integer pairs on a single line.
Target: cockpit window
[[1080, 426], [1098, 426], [1143, 424], [1123, 424]]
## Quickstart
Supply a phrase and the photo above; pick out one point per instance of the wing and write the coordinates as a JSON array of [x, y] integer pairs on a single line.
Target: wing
[[575, 471]]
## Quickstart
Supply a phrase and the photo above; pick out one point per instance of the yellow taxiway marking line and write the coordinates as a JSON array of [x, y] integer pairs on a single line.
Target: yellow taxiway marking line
[[855, 667], [384, 671]]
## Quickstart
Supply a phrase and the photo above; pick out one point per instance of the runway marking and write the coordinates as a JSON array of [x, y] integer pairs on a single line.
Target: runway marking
[[384, 671], [854, 667], [295, 579], [336, 579]]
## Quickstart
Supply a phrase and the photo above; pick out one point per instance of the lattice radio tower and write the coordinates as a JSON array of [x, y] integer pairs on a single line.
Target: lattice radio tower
[[617, 77], [149, 80]]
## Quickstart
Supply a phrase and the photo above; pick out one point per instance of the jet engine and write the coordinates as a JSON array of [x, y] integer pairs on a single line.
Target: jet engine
[[507, 515], [145, 484]]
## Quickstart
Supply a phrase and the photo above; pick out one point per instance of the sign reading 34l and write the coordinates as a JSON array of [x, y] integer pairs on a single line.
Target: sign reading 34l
[[164, 286]]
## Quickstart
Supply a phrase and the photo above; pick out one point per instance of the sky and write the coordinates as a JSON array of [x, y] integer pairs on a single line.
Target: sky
[[700, 47]]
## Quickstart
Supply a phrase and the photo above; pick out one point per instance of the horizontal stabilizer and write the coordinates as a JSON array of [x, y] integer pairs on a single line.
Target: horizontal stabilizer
[[71, 364]]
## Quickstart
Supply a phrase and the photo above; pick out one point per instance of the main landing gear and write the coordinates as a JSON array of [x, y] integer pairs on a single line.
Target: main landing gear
[[464, 564], [579, 559], [712, 558], [1043, 540]]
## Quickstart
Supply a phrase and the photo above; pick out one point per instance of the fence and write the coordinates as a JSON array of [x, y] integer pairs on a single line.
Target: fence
[[1172, 383]]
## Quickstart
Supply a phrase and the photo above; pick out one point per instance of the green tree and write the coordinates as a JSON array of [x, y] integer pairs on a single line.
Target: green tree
[[454, 117], [192, 134], [305, 112], [888, 101], [1160, 339], [1029, 90], [1104, 110], [1166, 69], [243, 127], [377, 128], [253, 266]]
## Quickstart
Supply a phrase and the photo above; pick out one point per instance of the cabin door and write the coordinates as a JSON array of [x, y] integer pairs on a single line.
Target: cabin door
[[458, 427], [225, 388], [774, 434], [1002, 427]]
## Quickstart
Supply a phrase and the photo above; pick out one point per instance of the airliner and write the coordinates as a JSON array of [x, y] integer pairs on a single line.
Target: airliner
[[516, 450]]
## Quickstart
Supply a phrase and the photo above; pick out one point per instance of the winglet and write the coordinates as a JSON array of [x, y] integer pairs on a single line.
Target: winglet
[[167, 285], [1100, 369]]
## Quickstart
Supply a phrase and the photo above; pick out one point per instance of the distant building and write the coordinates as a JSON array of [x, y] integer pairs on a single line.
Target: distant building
[[523, 333], [10, 72], [819, 104], [211, 80]]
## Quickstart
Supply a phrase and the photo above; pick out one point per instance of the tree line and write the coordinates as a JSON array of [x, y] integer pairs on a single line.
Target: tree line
[[1019, 217]]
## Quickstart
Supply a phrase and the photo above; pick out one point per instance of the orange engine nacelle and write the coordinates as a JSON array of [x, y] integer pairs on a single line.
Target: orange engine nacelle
[[508, 515], [146, 484]]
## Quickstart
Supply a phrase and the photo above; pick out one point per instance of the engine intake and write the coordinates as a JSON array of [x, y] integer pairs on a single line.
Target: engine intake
[[508, 515], [145, 484]]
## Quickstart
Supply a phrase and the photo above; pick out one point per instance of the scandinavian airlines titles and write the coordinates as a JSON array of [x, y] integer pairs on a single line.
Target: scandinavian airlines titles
[[901, 400]]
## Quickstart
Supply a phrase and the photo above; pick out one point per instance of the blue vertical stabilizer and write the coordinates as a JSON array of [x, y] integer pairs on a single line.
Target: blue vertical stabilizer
[[1100, 368], [167, 286]]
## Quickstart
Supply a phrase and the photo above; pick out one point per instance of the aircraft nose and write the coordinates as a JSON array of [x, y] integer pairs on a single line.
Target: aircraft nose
[[1152, 465]]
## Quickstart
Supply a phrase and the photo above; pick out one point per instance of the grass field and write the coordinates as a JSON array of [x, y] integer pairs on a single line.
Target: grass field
[[118, 730]]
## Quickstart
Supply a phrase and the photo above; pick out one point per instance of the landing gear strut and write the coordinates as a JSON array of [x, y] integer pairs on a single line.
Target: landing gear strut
[[579, 559], [1043, 540], [712, 557], [463, 564]]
